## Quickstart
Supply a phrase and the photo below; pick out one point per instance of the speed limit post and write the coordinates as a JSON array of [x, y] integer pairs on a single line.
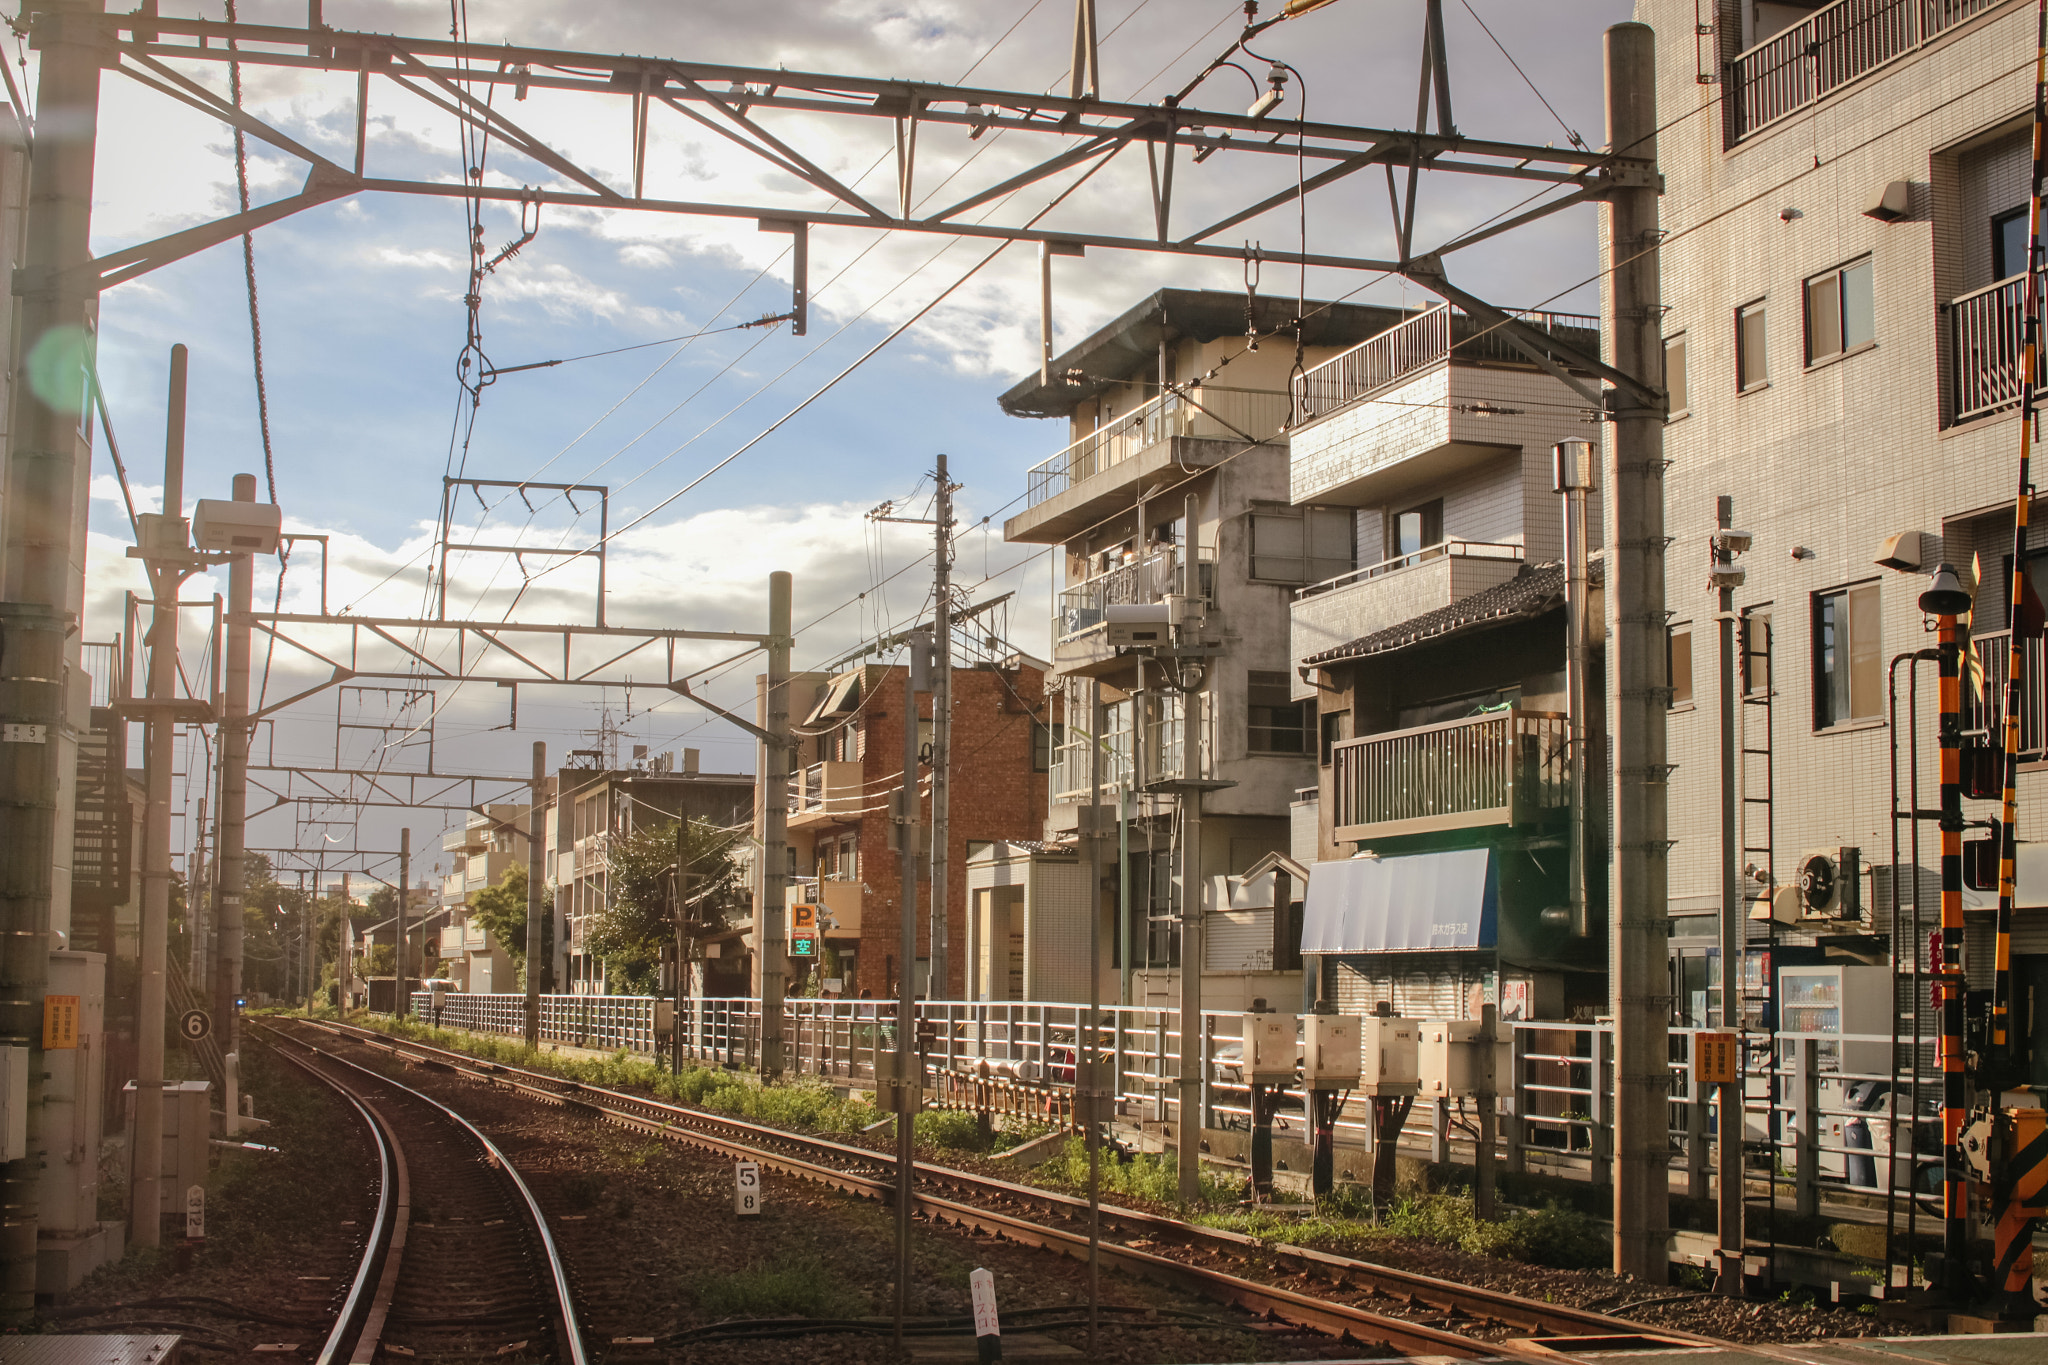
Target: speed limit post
[[746, 1189]]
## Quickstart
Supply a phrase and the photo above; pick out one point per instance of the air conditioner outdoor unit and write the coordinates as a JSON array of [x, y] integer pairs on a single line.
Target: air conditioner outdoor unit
[[1830, 883]]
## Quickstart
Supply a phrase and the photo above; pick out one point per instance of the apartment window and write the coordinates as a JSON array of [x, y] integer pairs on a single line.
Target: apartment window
[[849, 857], [1840, 312], [1418, 528], [1336, 728], [1045, 738], [1302, 544], [1678, 661], [2008, 244], [1274, 724], [1752, 355], [1848, 667], [1674, 373]]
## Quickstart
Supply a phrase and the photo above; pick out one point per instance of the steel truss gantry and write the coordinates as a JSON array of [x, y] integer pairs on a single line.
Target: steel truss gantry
[[463, 80]]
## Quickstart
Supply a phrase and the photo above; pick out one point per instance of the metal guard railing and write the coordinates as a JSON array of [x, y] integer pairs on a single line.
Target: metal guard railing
[[1808, 1123]]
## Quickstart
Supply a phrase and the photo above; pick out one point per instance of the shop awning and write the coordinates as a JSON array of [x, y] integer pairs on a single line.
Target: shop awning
[[1415, 903]]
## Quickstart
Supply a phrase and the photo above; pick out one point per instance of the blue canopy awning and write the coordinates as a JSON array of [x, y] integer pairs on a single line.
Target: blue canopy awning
[[1415, 903]]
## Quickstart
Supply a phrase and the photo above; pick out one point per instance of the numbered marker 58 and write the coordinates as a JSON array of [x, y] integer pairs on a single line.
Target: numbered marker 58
[[746, 1188]]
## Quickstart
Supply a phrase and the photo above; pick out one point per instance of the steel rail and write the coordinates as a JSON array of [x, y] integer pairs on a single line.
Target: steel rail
[[558, 1275], [774, 1147], [391, 1181]]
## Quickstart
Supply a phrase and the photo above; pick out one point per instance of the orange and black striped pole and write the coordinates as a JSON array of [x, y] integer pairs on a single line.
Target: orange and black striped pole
[[2020, 1190], [2005, 1060], [1948, 970]]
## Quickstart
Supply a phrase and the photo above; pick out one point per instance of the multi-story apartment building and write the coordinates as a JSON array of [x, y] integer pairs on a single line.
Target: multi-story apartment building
[[848, 764], [489, 843], [1174, 483], [591, 804], [1842, 278], [1442, 800]]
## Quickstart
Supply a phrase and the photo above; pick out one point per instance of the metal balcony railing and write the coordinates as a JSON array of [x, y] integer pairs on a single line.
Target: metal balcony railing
[[1827, 50], [1162, 754], [1452, 549], [1986, 346], [1220, 413], [1994, 651], [1504, 767], [1417, 343], [1148, 579]]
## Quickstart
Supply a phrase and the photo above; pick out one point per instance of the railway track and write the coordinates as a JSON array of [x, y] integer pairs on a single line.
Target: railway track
[[474, 1273], [1425, 1316]]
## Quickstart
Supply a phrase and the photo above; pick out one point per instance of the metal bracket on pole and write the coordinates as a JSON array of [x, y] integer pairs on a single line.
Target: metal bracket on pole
[[682, 686], [800, 270]]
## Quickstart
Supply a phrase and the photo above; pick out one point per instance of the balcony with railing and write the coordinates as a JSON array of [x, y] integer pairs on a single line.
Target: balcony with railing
[[1987, 713], [1420, 400], [1986, 347], [825, 793], [1159, 748], [1832, 47], [1190, 430], [1506, 767], [1345, 608], [1081, 610]]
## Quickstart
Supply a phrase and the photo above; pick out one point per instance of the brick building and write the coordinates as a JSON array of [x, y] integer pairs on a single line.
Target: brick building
[[848, 764]]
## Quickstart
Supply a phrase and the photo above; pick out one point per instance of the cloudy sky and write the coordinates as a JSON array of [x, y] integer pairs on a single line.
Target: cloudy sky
[[363, 315]]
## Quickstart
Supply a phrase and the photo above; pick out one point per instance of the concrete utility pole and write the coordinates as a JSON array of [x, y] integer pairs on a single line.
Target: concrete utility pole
[[771, 948], [916, 679], [232, 869], [42, 535], [1188, 1130], [942, 730], [399, 999], [536, 833], [1639, 673], [167, 547], [1728, 1147]]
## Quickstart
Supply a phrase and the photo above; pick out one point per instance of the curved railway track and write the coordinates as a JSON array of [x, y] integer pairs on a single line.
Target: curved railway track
[[473, 1274], [1422, 1309]]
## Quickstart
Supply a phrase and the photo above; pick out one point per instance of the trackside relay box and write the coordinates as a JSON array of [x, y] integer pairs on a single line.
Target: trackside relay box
[[1269, 1049], [1387, 1056], [1329, 1052]]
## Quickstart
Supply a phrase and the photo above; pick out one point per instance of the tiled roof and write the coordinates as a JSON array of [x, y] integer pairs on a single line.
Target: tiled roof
[[1537, 589]]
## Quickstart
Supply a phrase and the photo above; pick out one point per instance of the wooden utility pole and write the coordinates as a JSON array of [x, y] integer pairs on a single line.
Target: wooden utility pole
[[1638, 669]]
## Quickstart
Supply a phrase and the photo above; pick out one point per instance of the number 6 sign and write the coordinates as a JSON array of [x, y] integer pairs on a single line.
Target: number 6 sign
[[746, 1189]]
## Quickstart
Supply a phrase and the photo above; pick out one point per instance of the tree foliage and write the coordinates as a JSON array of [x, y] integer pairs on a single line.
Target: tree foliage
[[641, 919], [501, 910]]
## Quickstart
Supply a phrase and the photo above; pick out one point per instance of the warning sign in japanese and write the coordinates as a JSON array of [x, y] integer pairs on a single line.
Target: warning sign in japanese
[[1714, 1060], [60, 1022]]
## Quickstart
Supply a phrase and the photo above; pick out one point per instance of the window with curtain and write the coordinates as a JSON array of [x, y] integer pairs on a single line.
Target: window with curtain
[[1848, 663], [1302, 545], [1752, 353], [1840, 312]]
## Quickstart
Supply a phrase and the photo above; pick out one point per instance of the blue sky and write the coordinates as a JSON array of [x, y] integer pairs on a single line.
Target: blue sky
[[363, 318]]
